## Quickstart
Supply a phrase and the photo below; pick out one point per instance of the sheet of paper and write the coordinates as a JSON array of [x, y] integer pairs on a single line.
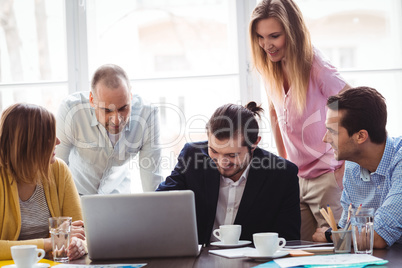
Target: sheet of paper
[[313, 249], [233, 252], [333, 259], [270, 264], [121, 265], [305, 244]]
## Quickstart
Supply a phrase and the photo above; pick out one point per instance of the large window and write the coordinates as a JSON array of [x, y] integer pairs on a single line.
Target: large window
[[185, 56], [363, 39], [33, 55], [154, 39], [179, 55]]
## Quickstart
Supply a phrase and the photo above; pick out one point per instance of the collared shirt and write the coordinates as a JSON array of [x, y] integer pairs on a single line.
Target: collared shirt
[[302, 134], [230, 194], [114, 138], [381, 190], [98, 166]]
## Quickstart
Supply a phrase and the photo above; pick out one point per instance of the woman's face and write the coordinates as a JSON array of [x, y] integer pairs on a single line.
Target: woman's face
[[271, 38], [53, 157]]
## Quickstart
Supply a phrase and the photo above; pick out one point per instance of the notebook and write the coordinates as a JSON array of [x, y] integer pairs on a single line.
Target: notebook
[[306, 244], [154, 224]]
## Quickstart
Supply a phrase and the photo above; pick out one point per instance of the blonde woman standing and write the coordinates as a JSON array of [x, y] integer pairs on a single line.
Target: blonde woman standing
[[298, 82]]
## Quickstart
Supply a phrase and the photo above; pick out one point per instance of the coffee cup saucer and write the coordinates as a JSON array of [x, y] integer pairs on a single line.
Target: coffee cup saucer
[[256, 256], [241, 243], [36, 265]]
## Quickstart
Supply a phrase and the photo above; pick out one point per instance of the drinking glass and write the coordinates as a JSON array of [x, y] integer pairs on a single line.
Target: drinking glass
[[363, 230], [60, 228]]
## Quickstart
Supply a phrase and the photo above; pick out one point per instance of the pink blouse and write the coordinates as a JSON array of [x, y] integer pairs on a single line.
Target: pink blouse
[[302, 134]]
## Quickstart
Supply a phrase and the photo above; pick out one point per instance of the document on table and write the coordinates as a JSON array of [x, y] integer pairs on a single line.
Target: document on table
[[233, 253], [305, 244], [337, 260], [313, 249], [121, 265]]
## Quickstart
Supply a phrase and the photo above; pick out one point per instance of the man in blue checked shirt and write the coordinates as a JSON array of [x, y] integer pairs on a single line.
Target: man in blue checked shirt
[[356, 121]]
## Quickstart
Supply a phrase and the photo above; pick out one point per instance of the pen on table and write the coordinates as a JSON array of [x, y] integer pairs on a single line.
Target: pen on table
[[349, 215], [347, 226], [326, 217], [329, 217], [349, 211], [332, 218], [358, 209]]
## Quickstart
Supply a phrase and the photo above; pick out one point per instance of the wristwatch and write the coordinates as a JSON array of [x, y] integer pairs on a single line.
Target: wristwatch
[[328, 234]]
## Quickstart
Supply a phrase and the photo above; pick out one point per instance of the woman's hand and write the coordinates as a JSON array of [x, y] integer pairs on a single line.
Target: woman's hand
[[77, 230], [77, 248], [47, 244]]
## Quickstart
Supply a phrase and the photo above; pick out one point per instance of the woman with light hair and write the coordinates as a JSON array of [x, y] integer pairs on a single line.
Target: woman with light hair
[[298, 81], [34, 184]]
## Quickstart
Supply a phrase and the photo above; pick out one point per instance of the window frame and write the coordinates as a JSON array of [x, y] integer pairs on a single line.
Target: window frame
[[77, 51]]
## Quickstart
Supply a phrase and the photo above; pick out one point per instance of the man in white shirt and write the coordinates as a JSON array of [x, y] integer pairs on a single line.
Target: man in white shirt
[[102, 130], [236, 182]]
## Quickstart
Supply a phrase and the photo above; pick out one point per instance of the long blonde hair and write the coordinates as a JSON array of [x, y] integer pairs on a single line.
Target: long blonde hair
[[27, 140], [299, 50]]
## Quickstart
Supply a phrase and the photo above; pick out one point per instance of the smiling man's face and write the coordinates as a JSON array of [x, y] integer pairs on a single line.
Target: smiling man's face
[[230, 156]]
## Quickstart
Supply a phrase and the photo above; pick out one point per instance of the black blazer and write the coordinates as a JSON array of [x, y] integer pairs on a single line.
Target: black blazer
[[270, 201]]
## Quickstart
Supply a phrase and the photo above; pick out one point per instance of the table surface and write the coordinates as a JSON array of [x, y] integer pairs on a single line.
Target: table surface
[[206, 260]]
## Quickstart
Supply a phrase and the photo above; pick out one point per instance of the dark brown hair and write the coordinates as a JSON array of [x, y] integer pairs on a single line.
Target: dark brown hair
[[364, 108], [230, 120]]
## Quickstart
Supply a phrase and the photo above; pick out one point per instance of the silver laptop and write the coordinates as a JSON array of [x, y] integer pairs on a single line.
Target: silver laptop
[[155, 224]]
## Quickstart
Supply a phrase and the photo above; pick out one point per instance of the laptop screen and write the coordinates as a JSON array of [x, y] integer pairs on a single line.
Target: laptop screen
[[153, 224]]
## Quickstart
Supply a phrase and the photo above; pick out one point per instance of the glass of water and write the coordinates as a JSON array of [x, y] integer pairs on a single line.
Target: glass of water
[[363, 230], [60, 228]]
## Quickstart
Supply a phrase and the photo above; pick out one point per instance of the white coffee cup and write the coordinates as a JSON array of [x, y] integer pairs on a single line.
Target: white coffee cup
[[25, 256], [228, 234], [268, 243]]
